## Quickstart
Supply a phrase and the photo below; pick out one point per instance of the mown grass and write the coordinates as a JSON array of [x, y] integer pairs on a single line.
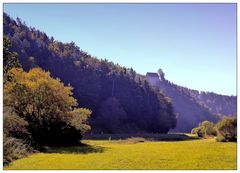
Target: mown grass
[[135, 154]]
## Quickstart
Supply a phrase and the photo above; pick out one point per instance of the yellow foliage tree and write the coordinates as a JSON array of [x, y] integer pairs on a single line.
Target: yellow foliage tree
[[47, 105]]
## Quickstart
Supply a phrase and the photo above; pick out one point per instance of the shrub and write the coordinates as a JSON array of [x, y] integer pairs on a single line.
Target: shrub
[[208, 128], [227, 129], [198, 131], [14, 149], [15, 126], [220, 139], [205, 128]]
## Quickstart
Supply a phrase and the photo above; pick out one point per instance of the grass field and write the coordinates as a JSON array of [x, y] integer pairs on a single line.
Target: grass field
[[135, 153]]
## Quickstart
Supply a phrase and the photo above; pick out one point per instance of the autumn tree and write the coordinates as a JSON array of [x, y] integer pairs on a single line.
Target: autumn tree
[[48, 107]]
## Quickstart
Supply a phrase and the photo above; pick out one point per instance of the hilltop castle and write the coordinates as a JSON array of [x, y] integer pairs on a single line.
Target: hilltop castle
[[154, 78]]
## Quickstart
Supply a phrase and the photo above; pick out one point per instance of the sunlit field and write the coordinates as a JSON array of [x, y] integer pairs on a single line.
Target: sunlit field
[[135, 154]]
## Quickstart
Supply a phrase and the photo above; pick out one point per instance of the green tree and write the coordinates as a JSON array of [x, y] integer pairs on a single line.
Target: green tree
[[48, 107], [10, 59], [208, 128], [161, 74], [227, 129], [205, 128]]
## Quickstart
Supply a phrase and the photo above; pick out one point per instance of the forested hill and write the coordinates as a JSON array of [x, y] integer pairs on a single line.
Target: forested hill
[[193, 106], [218, 104], [221, 105], [121, 100], [190, 112]]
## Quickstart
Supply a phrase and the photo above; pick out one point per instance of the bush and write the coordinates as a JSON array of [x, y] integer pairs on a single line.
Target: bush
[[198, 131], [16, 137], [220, 139], [205, 128], [208, 128], [227, 129], [14, 149], [15, 126]]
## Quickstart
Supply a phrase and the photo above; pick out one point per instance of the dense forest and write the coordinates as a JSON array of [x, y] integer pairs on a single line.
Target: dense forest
[[120, 99]]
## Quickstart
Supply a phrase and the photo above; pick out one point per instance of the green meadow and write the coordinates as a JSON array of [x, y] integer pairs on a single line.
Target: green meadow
[[135, 154]]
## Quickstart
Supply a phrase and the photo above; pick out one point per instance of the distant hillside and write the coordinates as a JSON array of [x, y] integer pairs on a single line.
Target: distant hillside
[[121, 100], [218, 104], [193, 106]]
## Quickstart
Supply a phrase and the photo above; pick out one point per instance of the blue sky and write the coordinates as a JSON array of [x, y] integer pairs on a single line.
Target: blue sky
[[194, 44]]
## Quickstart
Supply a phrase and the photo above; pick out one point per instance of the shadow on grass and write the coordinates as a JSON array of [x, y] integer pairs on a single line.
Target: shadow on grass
[[148, 137], [79, 149]]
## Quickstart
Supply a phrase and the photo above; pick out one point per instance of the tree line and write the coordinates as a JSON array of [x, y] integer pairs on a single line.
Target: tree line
[[225, 130]]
